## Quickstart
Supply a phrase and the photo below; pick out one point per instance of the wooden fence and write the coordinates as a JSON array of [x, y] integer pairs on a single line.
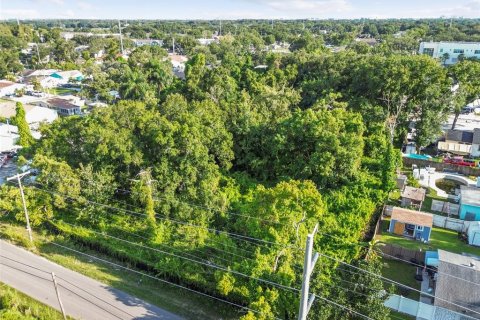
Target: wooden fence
[[391, 250]]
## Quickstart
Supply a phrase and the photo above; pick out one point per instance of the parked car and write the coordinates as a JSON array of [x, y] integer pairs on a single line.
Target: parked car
[[459, 161]]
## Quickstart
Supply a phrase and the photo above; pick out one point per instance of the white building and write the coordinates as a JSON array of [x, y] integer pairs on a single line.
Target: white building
[[461, 142], [450, 50], [8, 88], [147, 42], [33, 114], [207, 41], [8, 137]]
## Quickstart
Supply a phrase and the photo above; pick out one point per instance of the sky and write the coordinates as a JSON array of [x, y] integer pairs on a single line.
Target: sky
[[237, 9]]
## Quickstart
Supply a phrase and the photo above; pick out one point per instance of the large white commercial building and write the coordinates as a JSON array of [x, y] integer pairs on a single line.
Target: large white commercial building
[[450, 51]]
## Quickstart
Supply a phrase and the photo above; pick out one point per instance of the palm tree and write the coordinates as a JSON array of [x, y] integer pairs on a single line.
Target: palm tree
[[134, 86]]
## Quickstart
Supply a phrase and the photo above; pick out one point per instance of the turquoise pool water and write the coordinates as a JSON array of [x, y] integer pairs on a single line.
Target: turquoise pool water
[[418, 156]]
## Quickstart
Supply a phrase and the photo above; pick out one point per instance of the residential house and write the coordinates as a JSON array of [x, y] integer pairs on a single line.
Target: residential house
[[207, 41], [411, 223], [33, 114], [461, 142], [147, 42], [370, 41], [8, 88], [8, 137], [412, 197], [449, 286], [469, 203], [450, 52], [42, 76], [63, 77], [475, 152], [63, 107], [178, 63], [50, 78]]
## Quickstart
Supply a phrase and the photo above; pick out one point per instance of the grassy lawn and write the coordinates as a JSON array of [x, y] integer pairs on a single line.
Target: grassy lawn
[[440, 239], [430, 196], [179, 301], [16, 305], [61, 91], [403, 273], [394, 315]]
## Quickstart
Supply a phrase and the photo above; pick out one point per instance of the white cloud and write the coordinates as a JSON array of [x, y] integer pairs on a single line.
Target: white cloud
[[69, 13], [57, 2], [306, 7], [19, 13], [84, 5]]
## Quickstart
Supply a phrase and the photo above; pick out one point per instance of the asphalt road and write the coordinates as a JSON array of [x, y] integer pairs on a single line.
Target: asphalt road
[[82, 297]]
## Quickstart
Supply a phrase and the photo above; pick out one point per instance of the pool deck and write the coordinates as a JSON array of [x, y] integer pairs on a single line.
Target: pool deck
[[429, 179]]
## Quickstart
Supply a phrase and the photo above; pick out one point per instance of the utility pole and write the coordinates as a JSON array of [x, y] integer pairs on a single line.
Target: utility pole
[[173, 46], [306, 300], [18, 177], [38, 54], [58, 296], [121, 38]]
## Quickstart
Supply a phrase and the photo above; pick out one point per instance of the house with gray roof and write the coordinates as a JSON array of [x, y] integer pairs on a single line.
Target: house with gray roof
[[461, 142], [457, 281], [475, 152]]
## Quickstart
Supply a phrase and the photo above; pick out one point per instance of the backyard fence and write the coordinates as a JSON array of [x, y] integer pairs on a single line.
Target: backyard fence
[[422, 310], [451, 223], [391, 250], [445, 207], [440, 166]]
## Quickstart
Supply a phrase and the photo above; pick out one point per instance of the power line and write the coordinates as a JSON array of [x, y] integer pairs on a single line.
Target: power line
[[141, 214], [82, 297], [130, 212], [23, 271], [337, 260], [397, 283], [343, 307], [231, 234], [27, 265], [92, 182], [158, 279], [191, 260], [366, 246]]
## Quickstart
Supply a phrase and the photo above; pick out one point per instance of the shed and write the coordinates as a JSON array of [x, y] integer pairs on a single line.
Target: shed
[[411, 223], [469, 203], [412, 196], [473, 234], [401, 181]]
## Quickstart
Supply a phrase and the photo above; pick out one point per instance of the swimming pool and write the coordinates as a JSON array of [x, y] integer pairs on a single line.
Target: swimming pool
[[418, 156]]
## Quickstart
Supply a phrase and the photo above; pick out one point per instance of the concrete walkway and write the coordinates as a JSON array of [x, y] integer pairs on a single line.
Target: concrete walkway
[[428, 179], [424, 288]]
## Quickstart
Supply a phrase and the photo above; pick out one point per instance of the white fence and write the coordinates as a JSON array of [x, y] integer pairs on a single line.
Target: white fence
[[422, 310], [445, 207], [440, 221], [451, 223]]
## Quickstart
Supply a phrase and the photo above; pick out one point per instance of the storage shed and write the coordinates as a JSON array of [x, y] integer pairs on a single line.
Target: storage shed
[[473, 233], [411, 223]]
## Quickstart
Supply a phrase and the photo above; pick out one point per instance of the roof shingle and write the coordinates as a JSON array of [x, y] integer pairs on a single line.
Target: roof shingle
[[417, 218], [459, 136]]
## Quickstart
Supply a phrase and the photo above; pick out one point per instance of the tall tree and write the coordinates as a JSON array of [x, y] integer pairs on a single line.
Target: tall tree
[[26, 138], [465, 75]]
